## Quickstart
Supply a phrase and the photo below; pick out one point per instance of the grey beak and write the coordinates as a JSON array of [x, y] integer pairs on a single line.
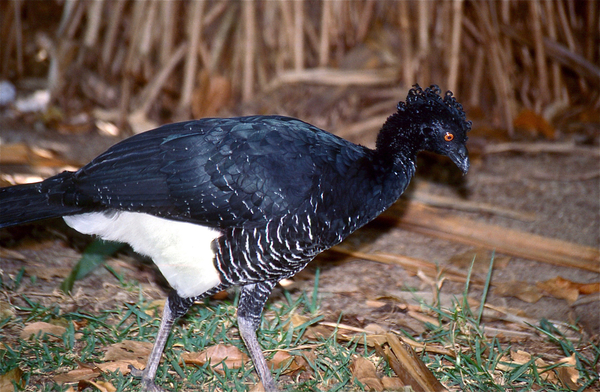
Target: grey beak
[[460, 157]]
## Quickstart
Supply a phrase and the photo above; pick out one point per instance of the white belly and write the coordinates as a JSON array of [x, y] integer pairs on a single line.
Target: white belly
[[182, 251]]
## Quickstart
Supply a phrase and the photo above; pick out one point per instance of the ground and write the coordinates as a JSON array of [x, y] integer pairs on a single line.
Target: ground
[[557, 195]]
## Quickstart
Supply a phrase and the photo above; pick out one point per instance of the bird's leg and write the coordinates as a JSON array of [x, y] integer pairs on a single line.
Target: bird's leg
[[252, 301], [175, 307]]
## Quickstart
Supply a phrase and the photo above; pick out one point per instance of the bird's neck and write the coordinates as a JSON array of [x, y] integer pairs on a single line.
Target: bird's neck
[[398, 143]]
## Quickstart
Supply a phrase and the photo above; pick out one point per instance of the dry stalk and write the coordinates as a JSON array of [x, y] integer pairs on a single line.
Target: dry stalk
[[116, 16], [249, 49], [194, 28]]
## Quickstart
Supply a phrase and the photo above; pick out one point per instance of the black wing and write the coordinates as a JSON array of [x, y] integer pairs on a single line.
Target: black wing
[[218, 172]]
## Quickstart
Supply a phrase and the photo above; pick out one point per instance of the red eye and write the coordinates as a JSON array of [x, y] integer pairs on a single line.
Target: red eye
[[448, 137]]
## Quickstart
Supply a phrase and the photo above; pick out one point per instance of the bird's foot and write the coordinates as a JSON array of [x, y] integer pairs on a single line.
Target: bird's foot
[[148, 384]]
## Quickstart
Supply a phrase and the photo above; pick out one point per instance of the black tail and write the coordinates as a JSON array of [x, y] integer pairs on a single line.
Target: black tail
[[31, 202]]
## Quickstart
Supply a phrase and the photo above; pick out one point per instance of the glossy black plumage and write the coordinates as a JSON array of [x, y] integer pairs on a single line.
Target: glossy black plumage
[[271, 192]]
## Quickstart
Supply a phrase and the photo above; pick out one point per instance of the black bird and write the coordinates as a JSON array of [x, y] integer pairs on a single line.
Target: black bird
[[244, 201]]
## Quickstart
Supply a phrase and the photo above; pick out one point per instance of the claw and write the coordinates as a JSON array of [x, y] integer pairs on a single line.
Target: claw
[[148, 384]]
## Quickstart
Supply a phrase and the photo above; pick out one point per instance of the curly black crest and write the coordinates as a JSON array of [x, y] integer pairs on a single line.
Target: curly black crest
[[431, 100]]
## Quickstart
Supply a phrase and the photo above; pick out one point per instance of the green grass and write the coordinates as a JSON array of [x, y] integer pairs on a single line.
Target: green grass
[[474, 368]]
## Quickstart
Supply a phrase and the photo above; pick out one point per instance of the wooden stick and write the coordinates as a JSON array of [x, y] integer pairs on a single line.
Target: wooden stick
[[508, 241], [299, 35], [18, 28], [133, 59], [94, 17], [220, 38], [152, 90], [410, 264], [75, 19], [149, 21], [190, 72], [408, 73], [541, 147], [168, 12], [66, 16], [470, 206], [555, 68], [112, 31], [457, 16], [335, 77], [540, 56], [325, 32], [249, 49]]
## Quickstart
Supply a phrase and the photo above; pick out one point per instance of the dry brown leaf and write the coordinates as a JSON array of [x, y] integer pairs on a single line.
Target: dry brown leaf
[[41, 328], [6, 310], [393, 384], [76, 375], [560, 287], [102, 386], [522, 290], [258, 387], [122, 366], [128, 350], [534, 123], [408, 366], [11, 254], [217, 355], [11, 377], [364, 371], [291, 363], [568, 374]]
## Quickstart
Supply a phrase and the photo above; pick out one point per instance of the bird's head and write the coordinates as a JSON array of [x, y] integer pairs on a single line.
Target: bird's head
[[428, 121]]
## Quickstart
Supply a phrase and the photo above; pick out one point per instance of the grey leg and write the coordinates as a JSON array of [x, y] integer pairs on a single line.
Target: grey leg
[[175, 307], [252, 301]]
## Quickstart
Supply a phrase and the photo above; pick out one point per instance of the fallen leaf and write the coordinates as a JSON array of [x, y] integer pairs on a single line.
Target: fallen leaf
[[11, 377], [290, 363], [217, 355], [102, 386], [258, 387], [393, 384], [122, 366], [128, 350], [41, 329], [534, 123], [6, 310], [364, 371], [522, 290], [568, 374], [76, 375], [560, 287]]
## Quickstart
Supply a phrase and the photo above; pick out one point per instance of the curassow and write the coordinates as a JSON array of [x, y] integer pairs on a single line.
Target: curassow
[[245, 201]]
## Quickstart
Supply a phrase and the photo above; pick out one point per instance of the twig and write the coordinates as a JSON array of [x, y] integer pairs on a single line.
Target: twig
[[455, 55], [298, 35], [325, 31], [540, 56], [249, 49], [539, 148], [151, 90], [419, 218], [335, 77], [18, 28], [94, 17], [194, 25], [469, 206], [112, 30]]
